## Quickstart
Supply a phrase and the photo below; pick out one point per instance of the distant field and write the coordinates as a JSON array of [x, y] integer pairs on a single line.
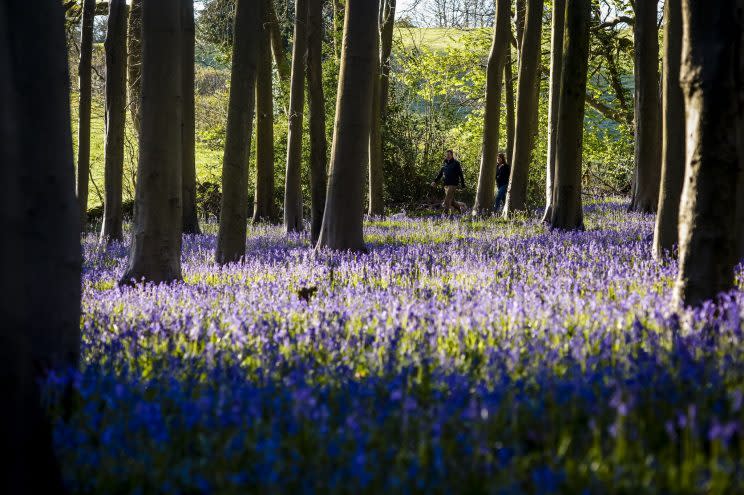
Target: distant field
[[431, 38]]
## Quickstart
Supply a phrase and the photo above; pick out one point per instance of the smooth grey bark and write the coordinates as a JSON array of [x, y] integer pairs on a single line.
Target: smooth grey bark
[[566, 212], [264, 194], [293, 176], [509, 97], [234, 203], [712, 82], [134, 62], [492, 117], [556, 70], [316, 107], [277, 45], [84, 104], [647, 176], [673, 132], [116, 98], [155, 253], [342, 227], [527, 108], [40, 256], [188, 138]]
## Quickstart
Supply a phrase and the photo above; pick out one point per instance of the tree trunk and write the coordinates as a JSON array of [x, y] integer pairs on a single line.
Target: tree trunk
[[116, 97], [712, 85], [342, 220], [234, 205], [491, 121], [316, 106], [277, 45], [566, 212], [264, 197], [556, 70], [134, 62], [84, 79], [40, 257], [293, 178], [647, 123], [509, 81], [339, 7], [386, 49], [527, 108], [673, 126], [519, 21], [155, 254], [188, 144]]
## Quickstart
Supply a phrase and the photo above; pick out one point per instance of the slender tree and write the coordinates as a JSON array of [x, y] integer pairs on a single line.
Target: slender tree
[[712, 82], [264, 195], [84, 103], [316, 106], [342, 227], [527, 108], [491, 120], [387, 28], [673, 127], [509, 97], [339, 7], [40, 257], [647, 122], [155, 254], [134, 62], [519, 22], [293, 177], [188, 145], [277, 45]]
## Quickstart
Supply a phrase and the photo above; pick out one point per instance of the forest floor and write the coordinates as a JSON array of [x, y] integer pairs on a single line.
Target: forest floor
[[453, 357]]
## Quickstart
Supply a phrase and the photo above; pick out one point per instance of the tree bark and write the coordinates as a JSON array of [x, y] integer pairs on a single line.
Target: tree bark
[[40, 256], [116, 97], [155, 254], [134, 62], [566, 212], [188, 138], [491, 121], [647, 123], [84, 103], [509, 81], [386, 44], [277, 45], [521, 15], [264, 194], [712, 80], [673, 128], [293, 177], [316, 106], [342, 227], [556, 70], [527, 108]]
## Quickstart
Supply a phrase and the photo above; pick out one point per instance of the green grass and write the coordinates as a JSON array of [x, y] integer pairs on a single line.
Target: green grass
[[436, 39]]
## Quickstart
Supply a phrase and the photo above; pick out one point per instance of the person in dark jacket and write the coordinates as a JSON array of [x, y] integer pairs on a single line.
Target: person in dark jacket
[[503, 170], [452, 174]]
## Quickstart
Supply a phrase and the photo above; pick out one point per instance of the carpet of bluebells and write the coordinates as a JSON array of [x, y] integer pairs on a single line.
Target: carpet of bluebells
[[456, 356]]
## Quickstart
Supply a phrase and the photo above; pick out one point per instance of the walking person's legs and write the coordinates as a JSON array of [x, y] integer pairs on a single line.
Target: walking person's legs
[[500, 199], [449, 197]]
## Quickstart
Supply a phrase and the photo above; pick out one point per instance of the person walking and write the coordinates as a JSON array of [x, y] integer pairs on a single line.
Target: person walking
[[452, 176], [503, 171]]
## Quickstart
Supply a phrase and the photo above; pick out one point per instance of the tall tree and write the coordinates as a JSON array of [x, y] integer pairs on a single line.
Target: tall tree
[[712, 81], [264, 195], [84, 103], [134, 62], [339, 7], [556, 69], [510, 117], [234, 206], [519, 21], [491, 120], [155, 254], [188, 145], [116, 98], [647, 122], [342, 220], [673, 127], [293, 178], [40, 257], [277, 45], [316, 106], [527, 108], [566, 211]]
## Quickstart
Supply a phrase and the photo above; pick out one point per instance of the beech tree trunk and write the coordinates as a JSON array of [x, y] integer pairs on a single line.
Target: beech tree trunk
[[188, 139], [509, 81], [566, 212], [277, 45], [40, 256], [155, 254], [491, 121], [234, 204], [342, 227], [712, 82], [134, 62], [84, 103], [293, 179], [527, 108], [316, 106], [116, 98], [673, 128], [556, 70], [647, 122], [264, 195], [386, 49], [519, 21]]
